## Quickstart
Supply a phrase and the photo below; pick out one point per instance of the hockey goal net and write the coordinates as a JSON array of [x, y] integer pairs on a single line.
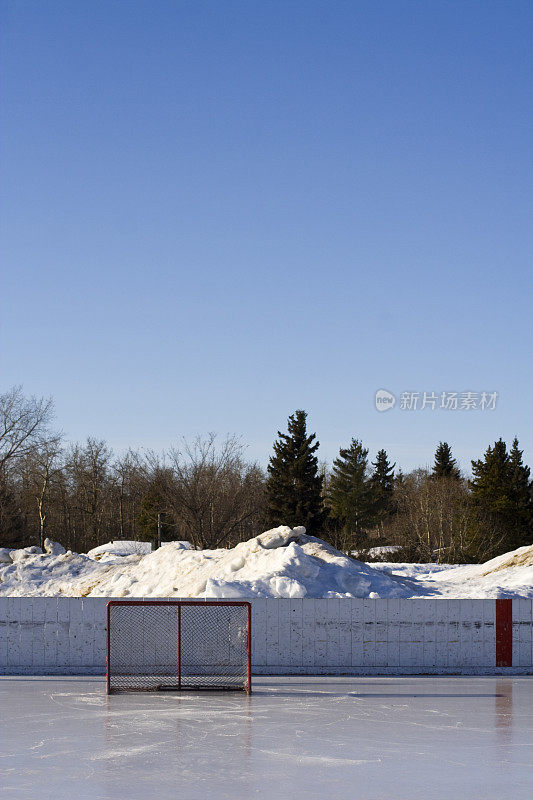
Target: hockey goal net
[[178, 644]]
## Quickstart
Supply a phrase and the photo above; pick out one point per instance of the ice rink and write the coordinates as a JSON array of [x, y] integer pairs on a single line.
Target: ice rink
[[327, 738]]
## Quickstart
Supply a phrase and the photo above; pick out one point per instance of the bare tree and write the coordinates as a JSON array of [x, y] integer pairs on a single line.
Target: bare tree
[[130, 480], [23, 421], [216, 497], [24, 427], [431, 522], [43, 466], [88, 469]]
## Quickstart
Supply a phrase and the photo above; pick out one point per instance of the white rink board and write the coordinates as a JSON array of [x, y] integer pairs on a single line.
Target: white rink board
[[51, 635]]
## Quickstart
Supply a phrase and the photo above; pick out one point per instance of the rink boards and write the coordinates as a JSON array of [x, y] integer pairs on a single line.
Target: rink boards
[[50, 635]]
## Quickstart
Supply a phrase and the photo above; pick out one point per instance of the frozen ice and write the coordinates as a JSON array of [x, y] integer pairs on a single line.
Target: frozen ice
[[411, 738]]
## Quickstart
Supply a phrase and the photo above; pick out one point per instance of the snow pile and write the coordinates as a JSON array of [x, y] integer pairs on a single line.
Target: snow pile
[[508, 575], [119, 548], [25, 552], [283, 562], [186, 545], [53, 548], [378, 552], [522, 557], [45, 575]]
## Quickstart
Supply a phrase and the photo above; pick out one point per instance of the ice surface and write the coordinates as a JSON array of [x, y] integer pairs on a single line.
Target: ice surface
[[293, 738]]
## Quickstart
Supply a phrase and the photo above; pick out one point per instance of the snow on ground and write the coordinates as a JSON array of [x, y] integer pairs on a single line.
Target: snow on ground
[[282, 562], [120, 548], [377, 552], [509, 575]]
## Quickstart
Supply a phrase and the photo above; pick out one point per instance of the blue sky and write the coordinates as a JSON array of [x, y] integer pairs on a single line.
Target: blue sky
[[214, 213]]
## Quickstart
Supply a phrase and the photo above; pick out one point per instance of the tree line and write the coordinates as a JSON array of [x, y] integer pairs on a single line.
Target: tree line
[[208, 493], [432, 514]]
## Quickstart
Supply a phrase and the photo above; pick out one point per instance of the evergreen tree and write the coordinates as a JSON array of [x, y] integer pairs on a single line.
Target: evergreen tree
[[445, 465], [147, 519], [11, 518], [521, 491], [399, 479], [382, 483], [154, 504], [294, 485], [501, 498], [492, 480], [350, 495]]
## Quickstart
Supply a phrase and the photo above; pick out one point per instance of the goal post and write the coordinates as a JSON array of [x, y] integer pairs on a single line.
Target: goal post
[[179, 644]]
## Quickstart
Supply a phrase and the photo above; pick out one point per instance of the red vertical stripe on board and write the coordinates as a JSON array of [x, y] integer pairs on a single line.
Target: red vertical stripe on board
[[179, 646], [107, 671], [504, 633]]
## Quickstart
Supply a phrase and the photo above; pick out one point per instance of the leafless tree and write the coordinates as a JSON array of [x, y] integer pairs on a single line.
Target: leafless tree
[[42, 467], [88, 470], [23, 421], [216, 497], [431, 522], [130, 480], [24, 430]]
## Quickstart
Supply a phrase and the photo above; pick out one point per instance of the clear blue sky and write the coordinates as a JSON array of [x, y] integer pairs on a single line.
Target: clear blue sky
[[214, 213]]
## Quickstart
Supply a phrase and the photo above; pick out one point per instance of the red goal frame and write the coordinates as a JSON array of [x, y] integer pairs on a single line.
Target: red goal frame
[[179, 604]]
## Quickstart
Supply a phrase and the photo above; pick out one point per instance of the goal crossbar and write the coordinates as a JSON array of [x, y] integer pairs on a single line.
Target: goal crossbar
[[179, 644]]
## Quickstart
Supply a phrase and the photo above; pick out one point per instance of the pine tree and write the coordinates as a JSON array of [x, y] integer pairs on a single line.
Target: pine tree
[[294, 485], [154, 504], [147, 519], [399, 479], [11, 519], [350, 496], [382, 483], [492, 480], [521, 491], [501, 498], [445, 465]]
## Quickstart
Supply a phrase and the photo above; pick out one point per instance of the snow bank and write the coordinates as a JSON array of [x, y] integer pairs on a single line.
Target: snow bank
[[282, 562], [509, 575], [53, 548], [186, 545], [120, 548], [25, 552], [378, 552], [521, 557]]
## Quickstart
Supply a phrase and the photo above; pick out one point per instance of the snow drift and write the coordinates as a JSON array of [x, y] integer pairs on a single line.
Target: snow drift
[[282, 562], [509, 575]]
